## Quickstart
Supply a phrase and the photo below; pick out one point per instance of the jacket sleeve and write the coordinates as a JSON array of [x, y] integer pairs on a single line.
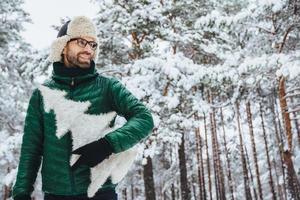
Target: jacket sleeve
[[139, 119], [31, 149]]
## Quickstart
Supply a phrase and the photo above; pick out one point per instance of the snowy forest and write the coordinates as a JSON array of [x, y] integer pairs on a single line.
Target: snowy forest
[[221, 78]]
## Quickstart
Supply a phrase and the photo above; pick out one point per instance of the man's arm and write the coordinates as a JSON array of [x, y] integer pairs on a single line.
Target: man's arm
[[139, 119], [31, 150]]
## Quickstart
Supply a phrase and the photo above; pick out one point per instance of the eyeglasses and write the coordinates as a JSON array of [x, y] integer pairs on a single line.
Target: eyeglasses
[[82, 43]]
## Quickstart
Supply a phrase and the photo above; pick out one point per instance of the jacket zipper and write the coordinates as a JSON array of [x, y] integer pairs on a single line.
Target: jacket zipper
[[73, 189], [72, 82]]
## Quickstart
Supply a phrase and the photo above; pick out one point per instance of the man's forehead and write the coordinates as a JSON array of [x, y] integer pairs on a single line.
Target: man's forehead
[[88, 38]]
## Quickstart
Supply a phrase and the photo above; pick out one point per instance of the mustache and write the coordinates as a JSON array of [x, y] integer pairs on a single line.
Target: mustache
[[85, 52]]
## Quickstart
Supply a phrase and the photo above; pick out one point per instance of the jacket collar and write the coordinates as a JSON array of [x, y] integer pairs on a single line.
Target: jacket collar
[[73, 76]]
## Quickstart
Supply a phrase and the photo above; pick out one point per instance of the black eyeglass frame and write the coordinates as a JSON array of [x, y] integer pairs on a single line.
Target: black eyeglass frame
[[92, 44]]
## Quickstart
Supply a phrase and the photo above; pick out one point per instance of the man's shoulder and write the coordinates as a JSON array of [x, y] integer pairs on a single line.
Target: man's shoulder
[[48, 82], [37, 90], [107, 79]]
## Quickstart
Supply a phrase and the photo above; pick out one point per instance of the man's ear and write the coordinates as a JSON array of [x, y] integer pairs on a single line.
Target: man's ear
[[63, 53], [64, 50]]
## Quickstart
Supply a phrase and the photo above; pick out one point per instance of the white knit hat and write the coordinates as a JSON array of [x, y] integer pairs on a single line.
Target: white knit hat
[[77, 27]]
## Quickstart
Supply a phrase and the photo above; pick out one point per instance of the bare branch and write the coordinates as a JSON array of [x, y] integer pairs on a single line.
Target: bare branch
[[289, 29]]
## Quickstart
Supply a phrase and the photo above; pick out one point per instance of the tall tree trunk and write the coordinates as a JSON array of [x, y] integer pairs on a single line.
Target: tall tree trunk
[[285, 115], [249, 119], [177, 194], [218, 170], [132, 191], [243, 159], [296, 123], [202, 191], [280, 188], [194, 187], [219, 162], [6, 188], [124, 192], [214, 151], [202, 170], [293, 182], [230, 182], [207, 159], [271, 182], [6, 192], [250, 172], [173, 192], [165, 195], [148, 180], [185, 191], [279, 142]]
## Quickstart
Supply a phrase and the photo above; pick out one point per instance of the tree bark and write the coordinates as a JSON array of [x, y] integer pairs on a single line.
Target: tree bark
[[253, 144], [207, 160], [271, 182], [149, 180], [243, 159], [230, 182], [185, 191], [201, 179], [285, 115], [124, 192], [279, 143], [293, 182]]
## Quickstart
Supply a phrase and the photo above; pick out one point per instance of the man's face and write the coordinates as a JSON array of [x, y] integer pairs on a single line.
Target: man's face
[[75, 55]]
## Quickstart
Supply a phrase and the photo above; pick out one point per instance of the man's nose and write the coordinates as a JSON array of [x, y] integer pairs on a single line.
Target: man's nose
[[88, 48]]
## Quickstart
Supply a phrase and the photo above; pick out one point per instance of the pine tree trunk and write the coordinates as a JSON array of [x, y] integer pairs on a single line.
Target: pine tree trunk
[[173, 192], [279, 144], [214, 155], [243, 159], [219, 162], [6, 192], [279, 188], [218, 170], [271, 182], [202, 191], [124, 192], [202, 170], [285, 115], [250, 172], [194, 187], [199, 165], [160, 195], [296, 123], [293, 182], [230, 182], [132, 191], [249, 118], [207, 160], [185, 191], [281, 131], [148, 180], [177, 194]]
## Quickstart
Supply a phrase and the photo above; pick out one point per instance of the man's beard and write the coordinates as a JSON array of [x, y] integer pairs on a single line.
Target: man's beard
[[77, 61]]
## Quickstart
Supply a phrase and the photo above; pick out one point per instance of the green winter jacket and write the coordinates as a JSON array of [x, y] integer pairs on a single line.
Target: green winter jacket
[[40, 143]]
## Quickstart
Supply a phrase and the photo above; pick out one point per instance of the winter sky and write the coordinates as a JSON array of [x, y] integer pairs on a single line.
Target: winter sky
[[45, 13]]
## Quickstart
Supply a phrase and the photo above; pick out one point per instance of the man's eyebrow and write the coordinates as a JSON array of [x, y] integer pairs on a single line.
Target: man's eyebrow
[[87, 40]]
